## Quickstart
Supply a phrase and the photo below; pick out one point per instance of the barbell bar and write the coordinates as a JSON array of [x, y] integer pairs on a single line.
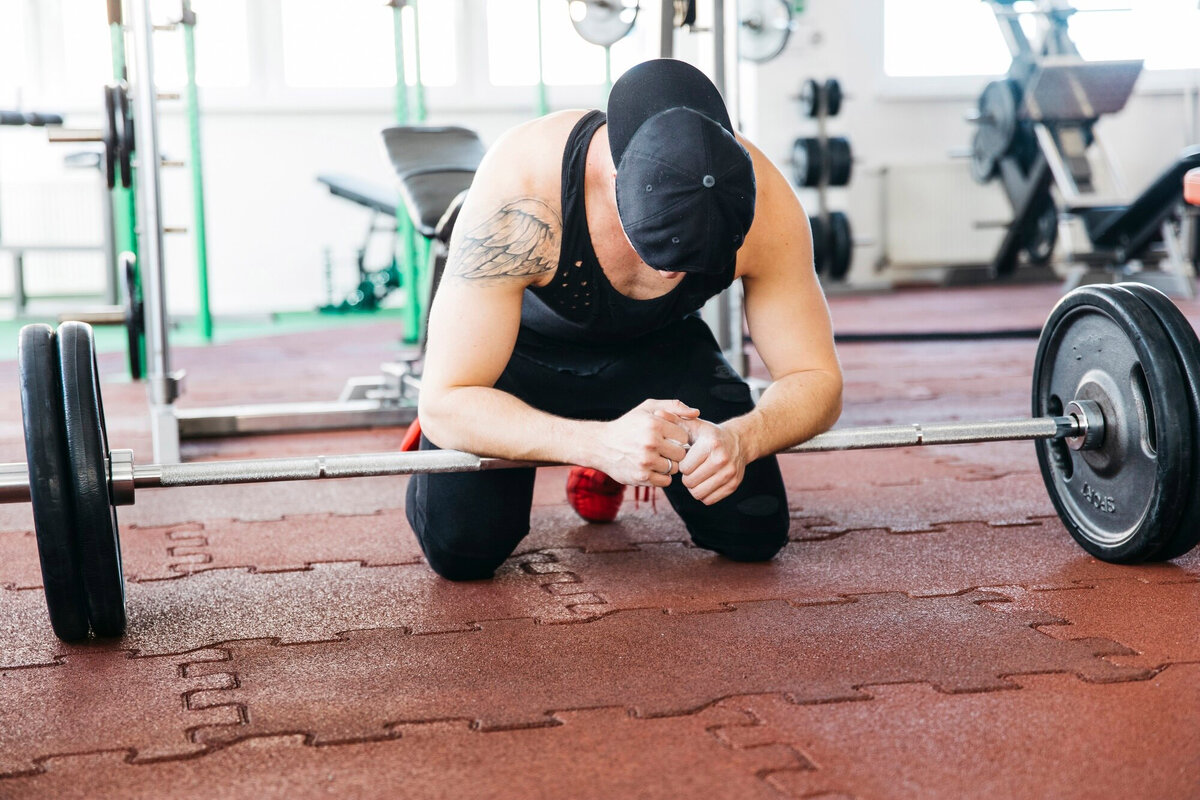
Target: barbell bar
[[124, 477], [1116, 402]]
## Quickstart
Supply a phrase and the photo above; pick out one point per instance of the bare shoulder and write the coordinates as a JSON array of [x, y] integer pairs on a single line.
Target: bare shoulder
[[780, 223], [528, 157], [510, 228]]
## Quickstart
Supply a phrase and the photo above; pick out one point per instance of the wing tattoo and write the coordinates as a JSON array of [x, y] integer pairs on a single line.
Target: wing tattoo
[[522, 238]]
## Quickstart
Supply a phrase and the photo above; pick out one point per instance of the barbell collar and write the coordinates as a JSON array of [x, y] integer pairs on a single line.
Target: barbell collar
[[1091, 419], [121, 477], [14, 483]]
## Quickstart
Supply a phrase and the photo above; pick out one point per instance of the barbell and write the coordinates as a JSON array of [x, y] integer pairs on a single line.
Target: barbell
[[1116, 403]]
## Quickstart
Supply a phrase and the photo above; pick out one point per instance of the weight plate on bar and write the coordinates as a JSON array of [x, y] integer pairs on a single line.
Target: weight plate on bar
[[1187, 350], [135, 319], [109, 137], [806, 161], [764, 27], [997, 121], [841, 245], [125, 145], [841, 160], [49, 487], [1120, 501], [1042, 233], [685, 13], [820, 244], [833, 96], [809, 98], [983, 165], [95, 515], [603, 22]]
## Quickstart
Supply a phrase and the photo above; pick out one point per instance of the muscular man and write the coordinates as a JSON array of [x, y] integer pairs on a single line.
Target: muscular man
[[565, 328]]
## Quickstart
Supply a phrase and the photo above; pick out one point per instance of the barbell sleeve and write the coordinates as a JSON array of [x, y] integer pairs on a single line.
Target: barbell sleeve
[[125, 477]]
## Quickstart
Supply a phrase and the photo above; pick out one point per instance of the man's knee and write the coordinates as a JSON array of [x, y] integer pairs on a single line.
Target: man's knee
[[461, 542], [459, 567], [764, 551], [757, 530]]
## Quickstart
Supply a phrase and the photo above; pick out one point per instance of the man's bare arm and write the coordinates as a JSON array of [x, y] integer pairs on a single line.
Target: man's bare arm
[[521, 239], [790, 325]]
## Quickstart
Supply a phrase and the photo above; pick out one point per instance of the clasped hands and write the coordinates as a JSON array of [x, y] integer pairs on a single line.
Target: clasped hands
[[659, 438]]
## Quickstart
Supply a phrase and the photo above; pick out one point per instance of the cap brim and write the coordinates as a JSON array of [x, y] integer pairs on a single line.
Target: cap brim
[[655, 86]]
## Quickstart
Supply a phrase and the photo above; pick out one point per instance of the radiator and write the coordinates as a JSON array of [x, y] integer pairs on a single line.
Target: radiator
[[936, 215], [56, 226]]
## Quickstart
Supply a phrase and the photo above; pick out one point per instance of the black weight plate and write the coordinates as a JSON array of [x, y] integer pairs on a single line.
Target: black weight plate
[[833, 96], [49, 482], [1119, 501], [841, 161], [810, 98], [95, 516], [109, 136], [685, 13], [820, 244], [1042, 234], [806, 161], [997, 118], [1187, 350], [841, 245], [135, 321], [125, 147], [983, 163]]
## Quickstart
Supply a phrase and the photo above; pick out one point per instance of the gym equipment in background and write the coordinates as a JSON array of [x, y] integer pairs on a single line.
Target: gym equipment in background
[[603, 23], [435, 165], [764, 27], [1035, 129], [819, 162], [1116, 405], [374, 284]]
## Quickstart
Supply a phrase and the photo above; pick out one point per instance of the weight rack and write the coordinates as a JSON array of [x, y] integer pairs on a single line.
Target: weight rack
[[819, 162]]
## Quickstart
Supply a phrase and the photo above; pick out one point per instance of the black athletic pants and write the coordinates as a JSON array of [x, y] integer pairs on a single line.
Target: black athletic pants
[[468, 523]]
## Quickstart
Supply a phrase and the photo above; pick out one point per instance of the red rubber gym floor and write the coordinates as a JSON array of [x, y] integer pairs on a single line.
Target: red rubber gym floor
[[931, 630]]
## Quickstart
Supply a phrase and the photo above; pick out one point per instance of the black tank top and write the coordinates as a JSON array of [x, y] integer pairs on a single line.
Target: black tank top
[[580, 305]]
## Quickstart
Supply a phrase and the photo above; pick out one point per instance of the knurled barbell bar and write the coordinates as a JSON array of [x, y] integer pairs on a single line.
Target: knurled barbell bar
[[1116, 399]]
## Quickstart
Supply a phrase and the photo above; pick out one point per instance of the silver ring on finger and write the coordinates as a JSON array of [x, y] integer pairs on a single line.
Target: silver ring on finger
[[670, 466]]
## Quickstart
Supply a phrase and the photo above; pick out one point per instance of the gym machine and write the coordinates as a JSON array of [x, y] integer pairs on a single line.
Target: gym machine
[[1036, 133], [435, 166]]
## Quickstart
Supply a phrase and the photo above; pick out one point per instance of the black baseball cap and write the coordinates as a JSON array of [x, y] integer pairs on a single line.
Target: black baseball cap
[[685, 185]]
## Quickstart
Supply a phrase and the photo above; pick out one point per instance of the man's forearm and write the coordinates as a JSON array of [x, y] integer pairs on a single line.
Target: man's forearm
[[791, 410], [490, 422]]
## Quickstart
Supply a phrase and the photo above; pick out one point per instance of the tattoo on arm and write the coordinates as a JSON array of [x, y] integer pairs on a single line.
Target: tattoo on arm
[[522, 238]]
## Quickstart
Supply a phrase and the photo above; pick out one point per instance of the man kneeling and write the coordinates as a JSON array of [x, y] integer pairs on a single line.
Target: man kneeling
[[565, 328]]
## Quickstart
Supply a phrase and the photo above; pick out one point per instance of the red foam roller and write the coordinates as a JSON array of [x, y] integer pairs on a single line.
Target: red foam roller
[[1191, 186]]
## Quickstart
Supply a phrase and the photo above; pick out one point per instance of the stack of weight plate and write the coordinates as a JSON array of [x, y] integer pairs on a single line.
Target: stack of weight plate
[[819, 162]]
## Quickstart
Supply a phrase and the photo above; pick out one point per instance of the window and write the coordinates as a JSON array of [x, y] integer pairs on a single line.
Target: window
[[12, 57], [960, 37], [351, 44], [222, 47]]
